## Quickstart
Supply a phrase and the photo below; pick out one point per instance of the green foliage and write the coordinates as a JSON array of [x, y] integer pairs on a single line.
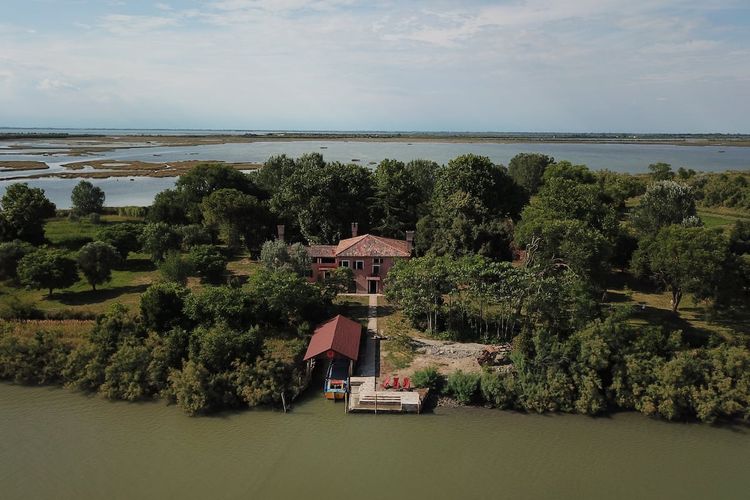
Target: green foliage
[[527, 169], [237, 215], [686, 259], [402, 192], [661, 172], [171, 207], [23, 212], [463, 386], [194, 235], [497, 389], [162, 305], [277, 254], [96, 261], [339, 280], [428, 378], [275, 169], [285, 298], [47, 269], [87, 199], [471, 206], [157, 239], [190, 388], [319, 200], [731, 190], [664, 203], [739, 238], [39, 359], [217, 347], [214, 305], [124, 237], [11, 252], [176, 268], [208, 262], [126, 375]]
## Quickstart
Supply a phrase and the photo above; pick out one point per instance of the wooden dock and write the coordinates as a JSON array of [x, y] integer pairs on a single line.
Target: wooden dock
[[364, 397]]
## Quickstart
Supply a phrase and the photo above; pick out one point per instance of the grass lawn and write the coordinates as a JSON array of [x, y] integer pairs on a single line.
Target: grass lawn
[[693, 317]]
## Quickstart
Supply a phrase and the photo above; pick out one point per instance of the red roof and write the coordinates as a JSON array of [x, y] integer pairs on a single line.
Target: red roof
[[321, 250], [372, 246], [339, 334]]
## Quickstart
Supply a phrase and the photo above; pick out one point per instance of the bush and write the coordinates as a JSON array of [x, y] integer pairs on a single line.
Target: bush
[[36, 360], [463, 386], [175, 268], [10, 253], [497, 389], [428, 378], [208, 263]]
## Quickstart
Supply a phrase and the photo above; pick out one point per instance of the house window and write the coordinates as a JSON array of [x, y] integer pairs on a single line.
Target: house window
[[326, 275], [376, 269], [327, 260], [344, 263], [359, 264], [377, 260]]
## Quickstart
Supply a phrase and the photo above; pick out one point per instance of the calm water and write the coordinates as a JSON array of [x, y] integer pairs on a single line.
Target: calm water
[[619, 157], [58, 444]]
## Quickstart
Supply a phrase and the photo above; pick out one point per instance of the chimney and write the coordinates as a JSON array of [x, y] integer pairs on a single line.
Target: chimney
[[280, 232], [410, 240], [355, 229]]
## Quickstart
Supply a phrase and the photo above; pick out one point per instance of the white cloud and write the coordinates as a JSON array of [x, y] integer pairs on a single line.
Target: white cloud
[[120, 24], [53, 84]]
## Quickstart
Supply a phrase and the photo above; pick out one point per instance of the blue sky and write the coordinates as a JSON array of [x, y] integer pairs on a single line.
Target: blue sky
[[519, 65]]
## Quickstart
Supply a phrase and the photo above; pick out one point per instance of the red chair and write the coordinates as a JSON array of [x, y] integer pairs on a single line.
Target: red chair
[[406, 384], [395, 382], [386, 384]]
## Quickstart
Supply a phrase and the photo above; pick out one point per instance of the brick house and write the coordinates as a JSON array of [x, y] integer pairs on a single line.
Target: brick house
[[370, 257]]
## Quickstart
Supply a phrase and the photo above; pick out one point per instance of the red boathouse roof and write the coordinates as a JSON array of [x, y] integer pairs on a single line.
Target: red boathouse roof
[[339, 334]]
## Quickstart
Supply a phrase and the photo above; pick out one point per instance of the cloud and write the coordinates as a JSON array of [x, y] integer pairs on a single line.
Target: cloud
[[520, 64], [121, 24], [53, 84]]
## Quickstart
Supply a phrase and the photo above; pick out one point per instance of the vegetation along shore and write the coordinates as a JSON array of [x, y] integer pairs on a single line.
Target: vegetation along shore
[[579, 291]]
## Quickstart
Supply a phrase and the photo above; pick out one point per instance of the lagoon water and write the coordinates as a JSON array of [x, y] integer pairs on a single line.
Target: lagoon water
[[63, 445], [632, 158]]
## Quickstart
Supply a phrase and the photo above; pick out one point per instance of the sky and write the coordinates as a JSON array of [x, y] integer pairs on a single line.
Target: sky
[[679, 66]]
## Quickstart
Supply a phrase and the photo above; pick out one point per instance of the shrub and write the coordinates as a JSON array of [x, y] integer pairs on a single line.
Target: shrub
[[175, 268], [497, 389], [10, 253], [463, 386], [208, 262], [428, 378]]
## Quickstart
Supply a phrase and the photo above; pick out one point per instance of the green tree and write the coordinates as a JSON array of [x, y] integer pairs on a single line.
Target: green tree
[[87, 199], [172, 207], [47, 269], [236, 215], [274, 171], [339, 280], [208, 262], [162, 305], [176, 268], [190, 388], [402, 192], [277, 254], [471, 208], [124, 237], [157, 239], [96, 261], [661, 172], [217, 304], [527, 169], [194, 235], [285, 298], [11, 252], [665, 203], [23, 212], [320, 200], [685, 259]]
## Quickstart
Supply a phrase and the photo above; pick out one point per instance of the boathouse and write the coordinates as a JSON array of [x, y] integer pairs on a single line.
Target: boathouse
[[336, 340]]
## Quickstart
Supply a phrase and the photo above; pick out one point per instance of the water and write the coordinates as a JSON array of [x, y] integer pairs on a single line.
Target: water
[[58, 444], [632, 158]]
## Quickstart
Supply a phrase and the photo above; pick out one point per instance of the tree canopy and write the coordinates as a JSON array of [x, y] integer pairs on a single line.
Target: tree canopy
[[87, 199], [23, 212]]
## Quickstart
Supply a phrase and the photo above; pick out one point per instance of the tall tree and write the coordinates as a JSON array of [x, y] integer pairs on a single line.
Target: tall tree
[[686, 259], [527, 169], [87, 199], [471, 209], [96, 261], [23, 211], [236, 215], [47, 269], [665, 203], [320, 200], [124, 237]]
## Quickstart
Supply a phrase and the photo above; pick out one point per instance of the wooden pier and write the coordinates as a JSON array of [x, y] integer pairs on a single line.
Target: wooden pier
[[365, 398]]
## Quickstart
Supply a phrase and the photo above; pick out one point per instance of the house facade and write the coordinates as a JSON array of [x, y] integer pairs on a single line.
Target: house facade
[[369, 257]]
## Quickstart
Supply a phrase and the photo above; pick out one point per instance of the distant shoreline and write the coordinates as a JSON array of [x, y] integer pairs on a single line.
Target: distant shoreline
[[188, 139]]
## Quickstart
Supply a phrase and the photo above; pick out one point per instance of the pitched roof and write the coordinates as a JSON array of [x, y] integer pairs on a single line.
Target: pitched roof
[[372, 246], [339, 334], [321, 250]]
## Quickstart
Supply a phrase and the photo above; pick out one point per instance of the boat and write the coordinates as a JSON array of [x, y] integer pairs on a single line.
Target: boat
[[337, 376]]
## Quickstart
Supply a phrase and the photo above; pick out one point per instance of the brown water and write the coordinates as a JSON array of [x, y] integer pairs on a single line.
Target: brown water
[[62, 445]]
